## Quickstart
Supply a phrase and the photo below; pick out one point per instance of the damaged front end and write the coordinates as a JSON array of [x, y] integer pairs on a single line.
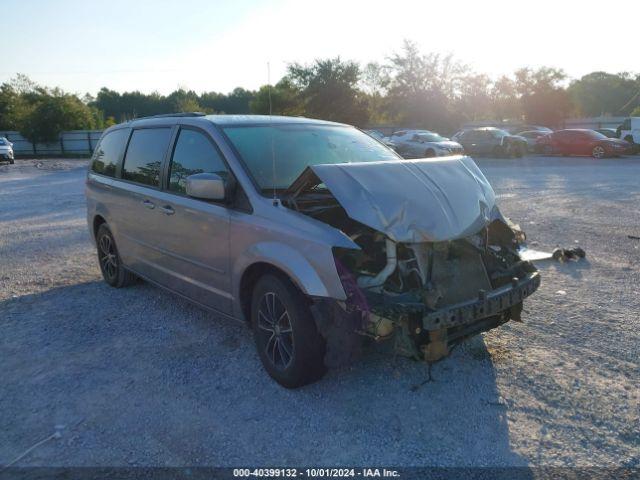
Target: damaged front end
[[437, 261]]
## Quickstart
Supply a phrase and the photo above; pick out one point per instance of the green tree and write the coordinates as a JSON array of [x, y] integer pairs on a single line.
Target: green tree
[[423, 88], [475, 101], [329, 90], [183, 101], [602, 93], [54, 113], [285, 100], [542, 96], [505, 103]]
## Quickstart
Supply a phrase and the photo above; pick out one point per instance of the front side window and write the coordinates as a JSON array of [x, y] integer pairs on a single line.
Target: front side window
[[293, 147], [194, 153], [430, 137], [108, 151], [146, 150]]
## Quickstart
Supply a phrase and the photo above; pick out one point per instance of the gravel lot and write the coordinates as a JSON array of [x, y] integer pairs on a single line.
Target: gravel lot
[[139, 377]]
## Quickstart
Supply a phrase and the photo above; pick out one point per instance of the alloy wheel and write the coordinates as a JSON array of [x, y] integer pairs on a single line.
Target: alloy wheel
[[108, 257], [274, 326], [598, 151]]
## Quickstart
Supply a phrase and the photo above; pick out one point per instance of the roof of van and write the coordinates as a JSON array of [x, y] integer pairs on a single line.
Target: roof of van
[[228, 120]]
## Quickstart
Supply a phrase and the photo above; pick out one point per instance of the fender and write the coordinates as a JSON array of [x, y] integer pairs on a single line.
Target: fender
[[295, 265]]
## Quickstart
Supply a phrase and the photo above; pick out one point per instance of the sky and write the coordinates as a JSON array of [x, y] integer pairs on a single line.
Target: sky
[[217, 45]]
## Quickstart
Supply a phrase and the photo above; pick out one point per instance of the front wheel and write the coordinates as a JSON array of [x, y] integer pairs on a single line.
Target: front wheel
[[289, 345], [598, 151], [111, 266], [429, 153]]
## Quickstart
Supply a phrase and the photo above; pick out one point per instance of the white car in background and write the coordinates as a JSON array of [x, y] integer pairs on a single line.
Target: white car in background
[[6, 150], [424, 144], [630, 130]]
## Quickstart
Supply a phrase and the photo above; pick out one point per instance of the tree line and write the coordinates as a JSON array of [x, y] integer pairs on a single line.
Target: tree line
[[410, 88]]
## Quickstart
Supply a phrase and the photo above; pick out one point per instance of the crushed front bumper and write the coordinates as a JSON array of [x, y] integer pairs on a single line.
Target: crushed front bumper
[[488, 304]]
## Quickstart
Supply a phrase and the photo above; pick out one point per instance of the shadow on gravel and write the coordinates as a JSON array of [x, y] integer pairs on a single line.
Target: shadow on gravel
[[137, 376]]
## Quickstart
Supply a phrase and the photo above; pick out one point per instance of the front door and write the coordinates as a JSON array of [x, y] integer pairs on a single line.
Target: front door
[[195, 233]]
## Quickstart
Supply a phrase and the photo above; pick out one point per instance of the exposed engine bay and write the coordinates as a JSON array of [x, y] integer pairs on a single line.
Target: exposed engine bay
[[425, 296]]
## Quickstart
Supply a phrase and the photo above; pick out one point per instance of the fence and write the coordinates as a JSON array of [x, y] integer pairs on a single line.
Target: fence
[[70, 143], [594, 122]]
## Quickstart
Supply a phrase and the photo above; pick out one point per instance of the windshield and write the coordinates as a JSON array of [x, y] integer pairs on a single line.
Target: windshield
[[431, 137], [499, 133], [298, 146], [3, 141], [597, 135], [375, 134]]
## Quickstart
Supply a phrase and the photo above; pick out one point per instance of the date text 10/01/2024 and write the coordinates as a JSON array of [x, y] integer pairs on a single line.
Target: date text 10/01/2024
[[316, 472]]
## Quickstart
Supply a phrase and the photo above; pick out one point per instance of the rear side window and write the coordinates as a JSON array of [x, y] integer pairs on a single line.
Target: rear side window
[[145, 154], [107, 154], [194, 153]]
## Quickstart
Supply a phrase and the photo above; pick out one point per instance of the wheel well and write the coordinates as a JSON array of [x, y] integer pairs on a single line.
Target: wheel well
[[249, 279], [97, 221], [629, 139]]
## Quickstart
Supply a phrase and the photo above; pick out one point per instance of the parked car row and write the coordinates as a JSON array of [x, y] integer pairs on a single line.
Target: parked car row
[[582, 142], [511, 142]]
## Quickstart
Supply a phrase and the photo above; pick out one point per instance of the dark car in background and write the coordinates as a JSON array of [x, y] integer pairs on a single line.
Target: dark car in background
[[531, 136], [492, 141], [516, 129], [608, 132], [581, 142]]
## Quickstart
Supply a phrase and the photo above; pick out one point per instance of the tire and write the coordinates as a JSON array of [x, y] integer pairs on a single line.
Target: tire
[[498, 151], [520, 151], [429, 153], [290, 348], [11, 162], [113, 272], [547, 150], [598, 151]]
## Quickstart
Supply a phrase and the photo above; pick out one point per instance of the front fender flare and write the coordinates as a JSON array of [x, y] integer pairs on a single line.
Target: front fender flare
[[319, 280]]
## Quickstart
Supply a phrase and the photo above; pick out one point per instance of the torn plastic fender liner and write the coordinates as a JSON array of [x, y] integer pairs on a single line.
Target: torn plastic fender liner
[[426, 200]]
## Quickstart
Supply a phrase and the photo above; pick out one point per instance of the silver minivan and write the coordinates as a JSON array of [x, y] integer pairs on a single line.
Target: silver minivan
[[314, 233]]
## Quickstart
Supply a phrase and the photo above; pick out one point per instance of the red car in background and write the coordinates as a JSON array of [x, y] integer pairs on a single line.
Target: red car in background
[[581, 142]]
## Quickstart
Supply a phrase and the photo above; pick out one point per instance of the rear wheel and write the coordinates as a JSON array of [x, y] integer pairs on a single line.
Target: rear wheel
[[288, 342], [598, 151], [111, 266]]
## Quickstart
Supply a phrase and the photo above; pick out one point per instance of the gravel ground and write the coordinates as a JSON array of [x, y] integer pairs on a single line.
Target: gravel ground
[[139, 377]]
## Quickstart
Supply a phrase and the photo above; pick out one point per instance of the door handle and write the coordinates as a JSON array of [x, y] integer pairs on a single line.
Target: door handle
[[167, 210], [149, 204]]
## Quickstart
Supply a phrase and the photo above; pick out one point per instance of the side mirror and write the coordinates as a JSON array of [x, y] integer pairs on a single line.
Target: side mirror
[[206, 186]]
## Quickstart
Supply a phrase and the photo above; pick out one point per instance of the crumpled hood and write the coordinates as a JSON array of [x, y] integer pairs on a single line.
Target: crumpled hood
[[413, 200]]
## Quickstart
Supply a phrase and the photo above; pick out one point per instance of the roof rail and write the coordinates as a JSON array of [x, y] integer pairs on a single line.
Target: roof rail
[[181, 114]]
